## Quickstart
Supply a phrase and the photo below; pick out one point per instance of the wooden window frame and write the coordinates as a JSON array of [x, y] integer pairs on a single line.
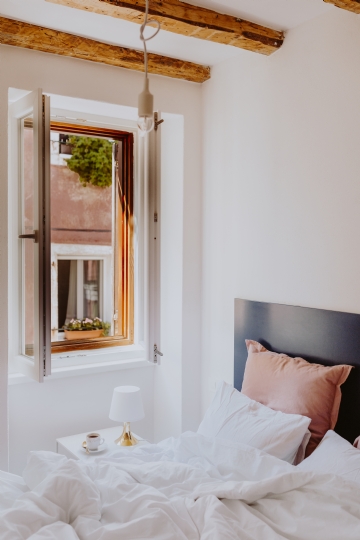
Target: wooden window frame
[[124, 248]]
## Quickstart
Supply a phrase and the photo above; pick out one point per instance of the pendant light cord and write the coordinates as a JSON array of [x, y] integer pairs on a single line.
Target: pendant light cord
[[144, 39]]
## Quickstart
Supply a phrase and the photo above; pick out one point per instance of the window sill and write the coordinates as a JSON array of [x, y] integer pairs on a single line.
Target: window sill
[[90, 362], [97, 356]]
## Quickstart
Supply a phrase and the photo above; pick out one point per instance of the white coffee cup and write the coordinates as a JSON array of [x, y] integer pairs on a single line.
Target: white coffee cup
[[93, 441]]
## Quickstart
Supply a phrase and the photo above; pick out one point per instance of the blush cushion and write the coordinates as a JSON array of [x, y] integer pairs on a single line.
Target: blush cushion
[[294, 386]]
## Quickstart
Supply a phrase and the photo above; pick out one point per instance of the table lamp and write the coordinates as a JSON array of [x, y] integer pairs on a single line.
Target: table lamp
[[126, 407]]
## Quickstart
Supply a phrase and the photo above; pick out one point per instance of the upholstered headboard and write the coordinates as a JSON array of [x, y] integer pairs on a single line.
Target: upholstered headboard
[[318, 335]]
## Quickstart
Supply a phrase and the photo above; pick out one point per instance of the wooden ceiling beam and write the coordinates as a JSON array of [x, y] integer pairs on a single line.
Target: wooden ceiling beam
[[349, 5], [188, 20], [29, 36]]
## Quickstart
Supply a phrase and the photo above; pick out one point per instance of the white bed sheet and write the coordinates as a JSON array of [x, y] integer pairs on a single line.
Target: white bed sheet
[[11, 488], [187, 488]]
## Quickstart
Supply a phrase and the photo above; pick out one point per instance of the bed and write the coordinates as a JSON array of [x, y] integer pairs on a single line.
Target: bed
[[199, 486]]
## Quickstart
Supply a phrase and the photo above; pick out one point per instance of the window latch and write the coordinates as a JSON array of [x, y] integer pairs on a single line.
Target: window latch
[[157, 122], [156, 354], [34, 236]]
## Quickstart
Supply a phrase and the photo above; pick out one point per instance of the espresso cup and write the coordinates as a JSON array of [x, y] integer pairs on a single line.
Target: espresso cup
[[93, 441]]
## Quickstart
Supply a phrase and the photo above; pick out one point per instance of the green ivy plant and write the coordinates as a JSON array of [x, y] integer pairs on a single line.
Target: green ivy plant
[[92, 160]]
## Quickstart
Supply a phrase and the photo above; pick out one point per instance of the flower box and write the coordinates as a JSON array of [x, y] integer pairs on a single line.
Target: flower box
[[83, 334], [86, 328]]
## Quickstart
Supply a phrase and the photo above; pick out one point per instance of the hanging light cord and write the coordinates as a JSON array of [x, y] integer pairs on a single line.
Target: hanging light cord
[[144, 39]]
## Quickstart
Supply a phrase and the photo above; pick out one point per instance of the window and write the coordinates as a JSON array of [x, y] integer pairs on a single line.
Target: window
[[77, 251]]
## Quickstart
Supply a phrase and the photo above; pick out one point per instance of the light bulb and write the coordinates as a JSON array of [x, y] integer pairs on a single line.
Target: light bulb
[[145, 125]]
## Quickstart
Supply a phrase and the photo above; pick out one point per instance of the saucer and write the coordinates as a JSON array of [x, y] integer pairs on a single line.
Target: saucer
[[101, 448]]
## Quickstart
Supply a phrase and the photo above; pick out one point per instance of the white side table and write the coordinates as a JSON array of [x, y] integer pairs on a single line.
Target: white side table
[[71, 447]]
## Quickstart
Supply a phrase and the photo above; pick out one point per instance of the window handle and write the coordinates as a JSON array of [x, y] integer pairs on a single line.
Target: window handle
[[156, 354], [34, 236]]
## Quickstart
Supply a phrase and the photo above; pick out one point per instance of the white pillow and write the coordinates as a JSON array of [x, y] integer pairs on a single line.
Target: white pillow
[[334, 455], [302, 448], [236, 417]]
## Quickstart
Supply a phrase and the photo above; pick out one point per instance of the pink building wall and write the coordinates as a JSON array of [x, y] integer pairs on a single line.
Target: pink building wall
[[79, 215]]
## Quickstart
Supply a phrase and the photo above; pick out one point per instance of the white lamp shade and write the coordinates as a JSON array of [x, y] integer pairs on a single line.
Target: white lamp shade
[[126, 405]]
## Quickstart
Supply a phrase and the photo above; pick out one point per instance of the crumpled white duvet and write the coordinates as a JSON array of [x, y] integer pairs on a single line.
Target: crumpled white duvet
[[188, 488]]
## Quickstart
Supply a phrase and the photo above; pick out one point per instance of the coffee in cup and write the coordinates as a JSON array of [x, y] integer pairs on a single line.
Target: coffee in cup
[[93, 441]]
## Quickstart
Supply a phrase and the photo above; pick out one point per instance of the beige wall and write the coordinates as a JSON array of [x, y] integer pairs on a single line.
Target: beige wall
[[64, 76]]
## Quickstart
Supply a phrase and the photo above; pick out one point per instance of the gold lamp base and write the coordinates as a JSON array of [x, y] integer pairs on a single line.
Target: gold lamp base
[[126, 438]]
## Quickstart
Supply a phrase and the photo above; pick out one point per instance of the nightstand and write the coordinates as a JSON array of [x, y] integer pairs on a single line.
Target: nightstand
[[71, 447]]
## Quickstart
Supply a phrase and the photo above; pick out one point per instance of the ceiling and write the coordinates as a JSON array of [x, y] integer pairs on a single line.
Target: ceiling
[[278, 14]]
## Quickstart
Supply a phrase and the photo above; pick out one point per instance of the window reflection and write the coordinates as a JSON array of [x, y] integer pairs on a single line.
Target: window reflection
[[91, 289], [28, 259]]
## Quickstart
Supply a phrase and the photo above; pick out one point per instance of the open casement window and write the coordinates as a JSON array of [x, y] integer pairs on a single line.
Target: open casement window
[[73, 251], [30, 128], [152, 212]]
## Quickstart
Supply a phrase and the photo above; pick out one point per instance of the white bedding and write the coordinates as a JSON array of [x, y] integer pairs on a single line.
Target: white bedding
[[11, 488], [173, 491]]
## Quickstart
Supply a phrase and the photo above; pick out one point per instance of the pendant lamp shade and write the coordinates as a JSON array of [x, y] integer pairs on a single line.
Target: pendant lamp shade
[[146, 102], [126, 404]]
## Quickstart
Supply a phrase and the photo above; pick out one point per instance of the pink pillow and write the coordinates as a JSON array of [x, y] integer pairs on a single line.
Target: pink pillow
[[294, 386]]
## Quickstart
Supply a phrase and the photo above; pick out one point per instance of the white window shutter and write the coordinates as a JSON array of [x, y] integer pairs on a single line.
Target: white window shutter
[[152, 251], [36, 108]]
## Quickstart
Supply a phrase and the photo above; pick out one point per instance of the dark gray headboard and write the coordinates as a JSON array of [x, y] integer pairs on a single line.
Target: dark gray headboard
[[318, 335]]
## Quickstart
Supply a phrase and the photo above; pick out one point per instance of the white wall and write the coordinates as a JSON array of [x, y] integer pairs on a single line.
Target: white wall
[[71, 77], [281, 181]]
